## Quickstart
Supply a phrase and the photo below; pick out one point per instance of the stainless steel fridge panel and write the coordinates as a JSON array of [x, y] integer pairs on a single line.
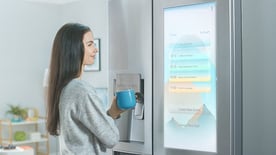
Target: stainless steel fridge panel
[[130, 51], [228, 78]]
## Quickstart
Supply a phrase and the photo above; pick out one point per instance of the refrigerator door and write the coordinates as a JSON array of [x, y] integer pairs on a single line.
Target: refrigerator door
[[130, 53], [197, 78]]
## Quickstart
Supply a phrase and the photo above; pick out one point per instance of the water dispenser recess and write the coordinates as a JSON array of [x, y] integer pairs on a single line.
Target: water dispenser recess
[[131, 123], [139, 108]]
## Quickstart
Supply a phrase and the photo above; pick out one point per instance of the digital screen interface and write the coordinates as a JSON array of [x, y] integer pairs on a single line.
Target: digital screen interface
[[190, 77]]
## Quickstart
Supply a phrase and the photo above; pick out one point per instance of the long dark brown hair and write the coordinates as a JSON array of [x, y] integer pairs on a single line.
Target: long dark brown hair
[[66, 64]]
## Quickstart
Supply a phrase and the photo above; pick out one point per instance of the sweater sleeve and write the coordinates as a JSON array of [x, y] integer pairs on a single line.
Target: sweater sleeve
[[94, 117]]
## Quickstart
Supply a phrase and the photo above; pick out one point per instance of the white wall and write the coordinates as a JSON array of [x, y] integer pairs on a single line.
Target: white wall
[[259, 75], [27, 30], [26, 36]]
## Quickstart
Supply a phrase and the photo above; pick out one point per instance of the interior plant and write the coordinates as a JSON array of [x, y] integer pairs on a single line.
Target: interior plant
[[18, 113], [20, 136]]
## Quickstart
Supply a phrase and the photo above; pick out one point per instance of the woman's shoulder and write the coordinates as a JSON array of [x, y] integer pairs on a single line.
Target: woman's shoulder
[[81, 86]]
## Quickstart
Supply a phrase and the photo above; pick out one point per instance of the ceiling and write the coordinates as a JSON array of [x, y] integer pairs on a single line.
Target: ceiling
[[53, 1]]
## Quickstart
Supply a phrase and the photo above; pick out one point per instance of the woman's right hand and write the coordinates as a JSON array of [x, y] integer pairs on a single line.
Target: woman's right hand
[[114, 111]]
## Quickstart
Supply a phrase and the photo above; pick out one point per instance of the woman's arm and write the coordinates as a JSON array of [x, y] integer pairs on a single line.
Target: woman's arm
[[94, 117]]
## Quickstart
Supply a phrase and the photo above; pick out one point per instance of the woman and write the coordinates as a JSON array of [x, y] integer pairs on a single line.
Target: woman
[[74, 111]]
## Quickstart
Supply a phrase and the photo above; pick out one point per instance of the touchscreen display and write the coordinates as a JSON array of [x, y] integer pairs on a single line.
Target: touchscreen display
[[190, 77]]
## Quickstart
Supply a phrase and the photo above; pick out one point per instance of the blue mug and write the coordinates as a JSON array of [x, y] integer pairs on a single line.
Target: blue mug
[[125, 99]]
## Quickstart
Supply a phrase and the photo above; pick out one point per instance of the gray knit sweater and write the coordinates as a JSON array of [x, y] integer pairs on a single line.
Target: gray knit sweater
[[86, 129]]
